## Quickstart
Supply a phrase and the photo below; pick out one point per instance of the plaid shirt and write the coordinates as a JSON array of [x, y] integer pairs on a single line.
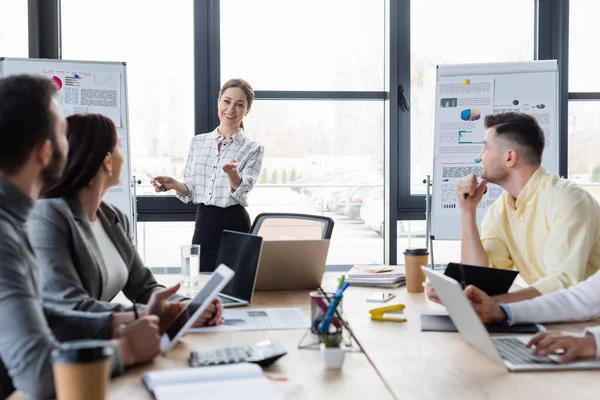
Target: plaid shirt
[[204, 176]]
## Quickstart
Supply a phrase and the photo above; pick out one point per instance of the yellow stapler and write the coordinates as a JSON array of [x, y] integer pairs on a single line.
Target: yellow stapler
[[382, 313]]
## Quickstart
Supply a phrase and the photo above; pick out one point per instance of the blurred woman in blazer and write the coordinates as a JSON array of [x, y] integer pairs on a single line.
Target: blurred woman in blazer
[[221, 169], [83, 245]]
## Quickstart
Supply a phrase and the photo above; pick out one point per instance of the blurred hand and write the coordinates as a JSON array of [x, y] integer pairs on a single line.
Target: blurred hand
[[168, 182], [486, 308], [574, 347], [164, 309], [211, 316], [469, 193], [431, 293], [231, 166], [139, 341]]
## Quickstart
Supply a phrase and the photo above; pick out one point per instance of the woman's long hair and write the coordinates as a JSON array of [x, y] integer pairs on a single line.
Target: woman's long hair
[[91, 137]]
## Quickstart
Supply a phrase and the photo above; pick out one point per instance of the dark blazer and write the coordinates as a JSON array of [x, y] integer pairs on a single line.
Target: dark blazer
[[72, 269], [32, 330]]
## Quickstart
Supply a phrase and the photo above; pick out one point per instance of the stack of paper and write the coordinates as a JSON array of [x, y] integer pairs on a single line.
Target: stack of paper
[[384, 276]]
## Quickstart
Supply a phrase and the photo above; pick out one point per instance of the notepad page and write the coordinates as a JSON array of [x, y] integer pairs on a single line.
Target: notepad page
[[155, 379], [245, 388]]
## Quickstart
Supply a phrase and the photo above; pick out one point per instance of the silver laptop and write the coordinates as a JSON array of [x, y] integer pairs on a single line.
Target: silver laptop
[[292, 264], [510, 352], [241, 252]]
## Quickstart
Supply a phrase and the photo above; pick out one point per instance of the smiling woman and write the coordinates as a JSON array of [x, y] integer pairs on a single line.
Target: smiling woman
[[221, 169]]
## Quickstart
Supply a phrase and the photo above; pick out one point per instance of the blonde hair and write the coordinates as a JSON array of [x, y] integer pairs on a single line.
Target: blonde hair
[[242, 84]]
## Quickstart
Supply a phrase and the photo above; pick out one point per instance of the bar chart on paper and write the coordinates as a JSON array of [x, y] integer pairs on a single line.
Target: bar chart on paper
[[449, 103]]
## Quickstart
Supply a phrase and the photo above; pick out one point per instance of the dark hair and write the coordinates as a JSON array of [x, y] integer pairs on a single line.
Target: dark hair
[[26, 118], [522, 130], [242, 84], [91, 137]]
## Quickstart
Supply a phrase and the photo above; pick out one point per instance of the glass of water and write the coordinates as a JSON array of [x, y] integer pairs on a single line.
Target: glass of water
[[190, 265]]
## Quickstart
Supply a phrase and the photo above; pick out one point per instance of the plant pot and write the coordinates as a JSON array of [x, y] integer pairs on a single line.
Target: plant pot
[[333, 357]]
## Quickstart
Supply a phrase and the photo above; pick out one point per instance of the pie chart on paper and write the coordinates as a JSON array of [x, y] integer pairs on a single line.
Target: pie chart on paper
[[470, 114], [57, 82]]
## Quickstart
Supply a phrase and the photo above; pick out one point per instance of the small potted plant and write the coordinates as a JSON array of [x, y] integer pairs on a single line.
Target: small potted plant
[[331, 352]]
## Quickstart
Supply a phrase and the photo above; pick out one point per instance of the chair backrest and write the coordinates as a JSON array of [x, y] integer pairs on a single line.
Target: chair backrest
[[282, 226]]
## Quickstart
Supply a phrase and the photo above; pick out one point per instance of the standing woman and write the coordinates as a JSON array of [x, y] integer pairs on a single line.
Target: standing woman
[[221, 169]]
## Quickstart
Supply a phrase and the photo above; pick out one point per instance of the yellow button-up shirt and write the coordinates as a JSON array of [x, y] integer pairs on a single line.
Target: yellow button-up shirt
[[550, 233]]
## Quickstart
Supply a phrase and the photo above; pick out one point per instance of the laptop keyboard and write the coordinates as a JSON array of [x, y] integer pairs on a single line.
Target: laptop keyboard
[[515, 351]]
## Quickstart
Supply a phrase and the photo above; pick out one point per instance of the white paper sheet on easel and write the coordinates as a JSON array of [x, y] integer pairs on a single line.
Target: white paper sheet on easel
[[259, 319]]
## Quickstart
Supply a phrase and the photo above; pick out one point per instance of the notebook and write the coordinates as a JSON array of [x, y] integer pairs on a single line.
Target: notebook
[[443, 323], [492, 281], [376, 275], [233, 381]]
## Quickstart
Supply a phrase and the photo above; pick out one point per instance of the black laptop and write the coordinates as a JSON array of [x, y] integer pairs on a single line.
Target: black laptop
[[241, 253]]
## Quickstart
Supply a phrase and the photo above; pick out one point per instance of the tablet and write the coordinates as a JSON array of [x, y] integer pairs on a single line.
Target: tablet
[[195, 307], [492, 281]]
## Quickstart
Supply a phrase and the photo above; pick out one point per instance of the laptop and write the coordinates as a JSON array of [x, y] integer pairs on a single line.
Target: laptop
[[292, 264], [507, 351], [240, 252]]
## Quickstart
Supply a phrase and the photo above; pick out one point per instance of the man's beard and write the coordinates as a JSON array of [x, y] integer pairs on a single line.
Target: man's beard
[[496, 178], [57, 165]]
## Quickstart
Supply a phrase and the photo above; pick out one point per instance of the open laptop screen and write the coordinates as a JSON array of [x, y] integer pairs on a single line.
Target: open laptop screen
[[241, 253]]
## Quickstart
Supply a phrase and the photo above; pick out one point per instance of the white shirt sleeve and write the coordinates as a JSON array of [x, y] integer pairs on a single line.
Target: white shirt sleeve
[[577, 303]]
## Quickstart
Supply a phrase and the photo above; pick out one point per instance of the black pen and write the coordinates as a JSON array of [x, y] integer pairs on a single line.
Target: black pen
[[135, 312]]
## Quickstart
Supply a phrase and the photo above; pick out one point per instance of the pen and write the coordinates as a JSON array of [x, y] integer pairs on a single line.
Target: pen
[[324, 306], [332, 307], [135, 311], [160, 185], [341, 281]]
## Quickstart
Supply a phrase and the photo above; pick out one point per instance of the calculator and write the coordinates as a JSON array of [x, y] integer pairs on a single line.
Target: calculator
[[263, 353]]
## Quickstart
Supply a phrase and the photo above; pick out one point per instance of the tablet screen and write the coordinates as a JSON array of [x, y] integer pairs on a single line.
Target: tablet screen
[[209, 291]]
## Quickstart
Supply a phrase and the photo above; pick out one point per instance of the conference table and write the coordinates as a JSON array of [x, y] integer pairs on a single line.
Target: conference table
[[413, 364]]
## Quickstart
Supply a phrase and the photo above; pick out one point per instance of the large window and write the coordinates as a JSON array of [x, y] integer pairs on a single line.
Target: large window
[[584, 95], [451, 32], [14, 38], [155, 39], [337, 146], [304, 45], [324, 153], [584, 32]]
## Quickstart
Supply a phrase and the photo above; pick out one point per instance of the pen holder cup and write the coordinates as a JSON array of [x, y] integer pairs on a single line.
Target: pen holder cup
[[318, 307]]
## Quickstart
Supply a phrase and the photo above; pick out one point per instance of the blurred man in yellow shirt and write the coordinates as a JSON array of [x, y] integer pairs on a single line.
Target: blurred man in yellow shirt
[[544, 226]]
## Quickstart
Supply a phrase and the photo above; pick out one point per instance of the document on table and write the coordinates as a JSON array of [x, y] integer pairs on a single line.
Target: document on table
[[258, 319]]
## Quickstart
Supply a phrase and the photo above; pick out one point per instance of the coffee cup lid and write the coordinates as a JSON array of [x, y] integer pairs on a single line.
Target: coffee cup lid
[[416, 252], [83, 351]]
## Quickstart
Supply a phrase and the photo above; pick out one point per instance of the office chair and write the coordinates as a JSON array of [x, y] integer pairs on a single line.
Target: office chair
[[282, 226]]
